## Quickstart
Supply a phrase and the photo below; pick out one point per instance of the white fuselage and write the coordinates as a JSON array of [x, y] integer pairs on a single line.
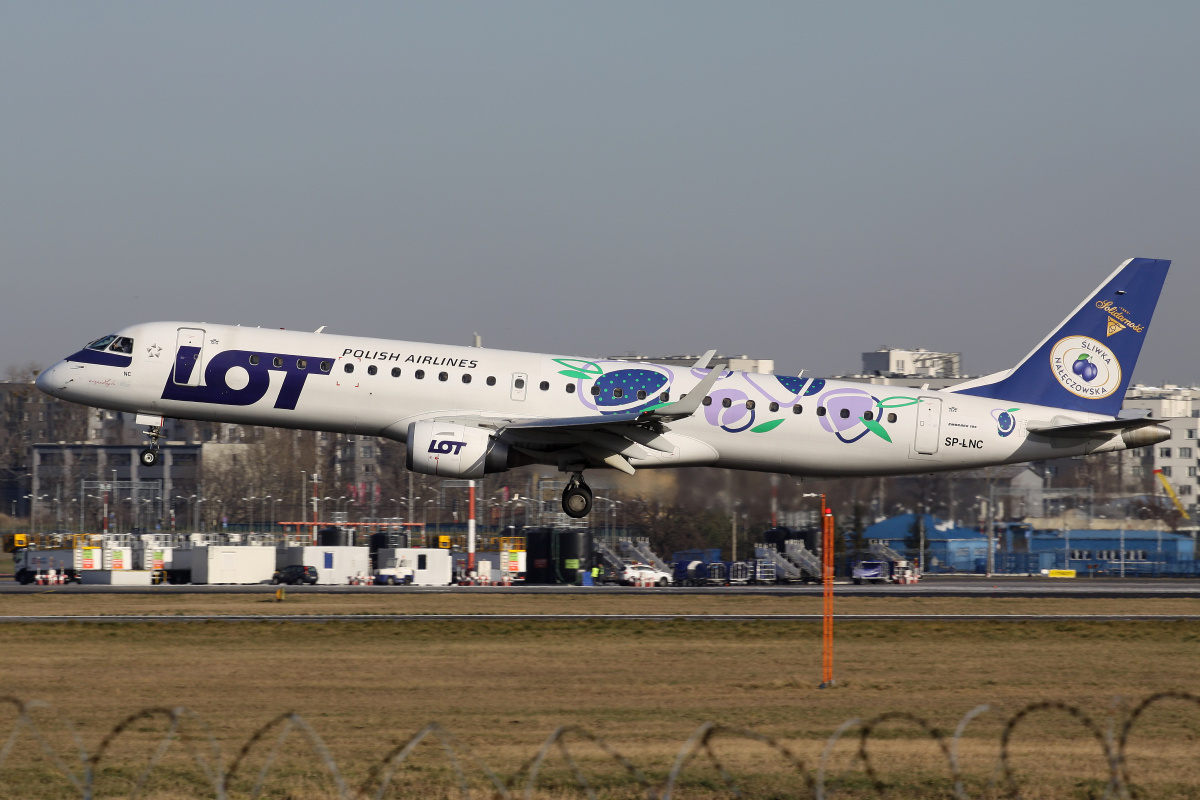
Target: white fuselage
[[842, 429]]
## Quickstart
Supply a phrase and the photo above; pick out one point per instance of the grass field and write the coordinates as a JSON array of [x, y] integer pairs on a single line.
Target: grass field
[[53, 601], [502, 687]]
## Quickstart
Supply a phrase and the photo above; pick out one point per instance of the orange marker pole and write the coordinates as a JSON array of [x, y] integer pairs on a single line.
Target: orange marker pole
[[827, 575]]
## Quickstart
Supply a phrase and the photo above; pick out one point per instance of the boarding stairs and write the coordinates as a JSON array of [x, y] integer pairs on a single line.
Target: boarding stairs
[[885, 552], [783, 568], [802, 557], [613, 563], [639, 550]]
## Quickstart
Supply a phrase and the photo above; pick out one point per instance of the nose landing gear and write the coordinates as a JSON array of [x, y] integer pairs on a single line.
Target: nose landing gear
[[149, 456], [577, 497]]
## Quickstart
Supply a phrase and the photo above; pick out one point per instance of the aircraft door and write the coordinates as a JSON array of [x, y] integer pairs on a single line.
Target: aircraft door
[[519, 381], [189, 352], [929, 418]]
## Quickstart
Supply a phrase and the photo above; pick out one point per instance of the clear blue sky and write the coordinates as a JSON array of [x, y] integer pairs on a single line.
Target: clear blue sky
[[795, 181]]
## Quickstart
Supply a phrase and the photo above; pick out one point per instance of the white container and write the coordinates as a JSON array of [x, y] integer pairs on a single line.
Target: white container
[[118, 558], [232, 564], [429, 566], [116, 577], [335, 565]]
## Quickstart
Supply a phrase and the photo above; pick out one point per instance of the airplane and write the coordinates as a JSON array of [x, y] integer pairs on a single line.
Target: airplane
[[464, 412]]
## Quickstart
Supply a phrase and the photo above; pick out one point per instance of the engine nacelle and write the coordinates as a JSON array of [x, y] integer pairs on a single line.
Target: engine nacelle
[[449, 450]]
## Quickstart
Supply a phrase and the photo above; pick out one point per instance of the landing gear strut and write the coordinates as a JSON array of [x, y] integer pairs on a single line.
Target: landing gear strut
[[577, 497], [149, 456]]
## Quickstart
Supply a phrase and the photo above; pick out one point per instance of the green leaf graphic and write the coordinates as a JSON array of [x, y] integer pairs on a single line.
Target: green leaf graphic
[[767, 426], [875, 428], [590, 368], [574, 373], [1011, 410], [908, 401]]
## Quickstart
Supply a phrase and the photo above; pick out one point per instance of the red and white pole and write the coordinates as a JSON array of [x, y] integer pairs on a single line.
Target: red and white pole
[[471, 527]]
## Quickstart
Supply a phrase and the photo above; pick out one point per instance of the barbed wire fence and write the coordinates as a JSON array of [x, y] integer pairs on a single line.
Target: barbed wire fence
[[188, 731]]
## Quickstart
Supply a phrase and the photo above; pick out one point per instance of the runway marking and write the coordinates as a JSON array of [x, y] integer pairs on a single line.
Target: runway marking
[[132, 618]]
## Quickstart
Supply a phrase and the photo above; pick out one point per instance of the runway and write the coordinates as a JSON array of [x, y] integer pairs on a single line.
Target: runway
[[930, 587]]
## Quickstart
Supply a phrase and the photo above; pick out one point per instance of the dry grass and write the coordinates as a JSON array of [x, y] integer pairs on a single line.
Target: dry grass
[[501, 687], [55, 601]]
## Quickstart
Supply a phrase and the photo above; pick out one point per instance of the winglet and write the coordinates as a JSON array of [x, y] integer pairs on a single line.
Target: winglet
[[702, 361], [688, 405]]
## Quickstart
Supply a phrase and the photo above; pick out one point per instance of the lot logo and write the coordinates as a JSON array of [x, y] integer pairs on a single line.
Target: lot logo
[[446, 447], [242, 378], [1085, 367]]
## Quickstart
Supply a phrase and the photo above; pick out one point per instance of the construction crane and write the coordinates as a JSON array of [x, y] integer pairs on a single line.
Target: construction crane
[[1171, 493]]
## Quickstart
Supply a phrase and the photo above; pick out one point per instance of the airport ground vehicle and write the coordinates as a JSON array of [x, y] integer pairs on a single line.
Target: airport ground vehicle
[[872, 572], [294, 574], [641, 574]]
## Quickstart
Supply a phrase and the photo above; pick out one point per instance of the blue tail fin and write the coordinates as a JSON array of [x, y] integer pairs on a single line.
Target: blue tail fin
[[1086, 364]]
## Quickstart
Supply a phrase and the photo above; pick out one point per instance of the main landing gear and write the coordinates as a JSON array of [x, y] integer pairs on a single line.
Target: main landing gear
[[577, 497], [149, 456]]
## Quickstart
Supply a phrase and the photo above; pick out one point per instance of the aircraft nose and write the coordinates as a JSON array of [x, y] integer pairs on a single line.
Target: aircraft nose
[[47, 380]]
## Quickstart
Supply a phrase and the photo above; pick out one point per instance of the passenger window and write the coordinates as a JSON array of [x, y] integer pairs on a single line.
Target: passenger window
[[442, 376], [123, 344], [277, 362], [797, 409], [774, 406], [618, 392], [641, 394], [750, 405], [820, 411], [595, 391], [868, 415], [570, 388], [892, 417], [519, 383], [664, 397], [419, 374], [707, 401], [845, 413], [395, 372], [466, 377], [371, 370], [491, 381], [325, 365], [301, 363], [544, 386], [253, 360], [349, 368], [727, 402]]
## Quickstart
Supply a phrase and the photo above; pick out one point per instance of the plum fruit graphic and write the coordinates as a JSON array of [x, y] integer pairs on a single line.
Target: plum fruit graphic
[[629, 382], [1085, 369], [1006, 423]]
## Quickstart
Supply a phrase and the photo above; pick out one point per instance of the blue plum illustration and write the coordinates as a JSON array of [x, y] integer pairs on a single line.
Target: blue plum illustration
[[629, 382], [1006, 423], [1084, 368]]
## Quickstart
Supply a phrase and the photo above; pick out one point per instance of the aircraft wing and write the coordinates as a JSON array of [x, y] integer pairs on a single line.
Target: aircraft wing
[[608, 439]]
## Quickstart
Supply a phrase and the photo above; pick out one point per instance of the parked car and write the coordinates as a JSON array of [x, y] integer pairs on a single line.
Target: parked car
[[642, 573], [294, 574]]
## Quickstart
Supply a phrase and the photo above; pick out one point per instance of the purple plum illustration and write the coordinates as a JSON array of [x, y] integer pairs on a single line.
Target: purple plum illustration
[[729, 417], [1084, 368]]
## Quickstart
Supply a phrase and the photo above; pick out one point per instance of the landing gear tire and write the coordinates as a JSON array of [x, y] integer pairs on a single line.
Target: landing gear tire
[[577, 499], [149, 457]]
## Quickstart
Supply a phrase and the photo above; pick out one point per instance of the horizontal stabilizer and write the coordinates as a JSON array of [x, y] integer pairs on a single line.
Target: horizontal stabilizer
[[1133, 432]]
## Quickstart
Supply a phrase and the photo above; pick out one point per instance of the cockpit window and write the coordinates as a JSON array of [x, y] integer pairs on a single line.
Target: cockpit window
[[101, 343], [123, 344]]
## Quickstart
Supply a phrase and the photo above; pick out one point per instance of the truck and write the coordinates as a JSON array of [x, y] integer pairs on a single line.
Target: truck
[[29, 562]]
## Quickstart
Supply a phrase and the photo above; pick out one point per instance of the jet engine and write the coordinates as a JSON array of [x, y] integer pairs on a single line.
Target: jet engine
[[450, 450]]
